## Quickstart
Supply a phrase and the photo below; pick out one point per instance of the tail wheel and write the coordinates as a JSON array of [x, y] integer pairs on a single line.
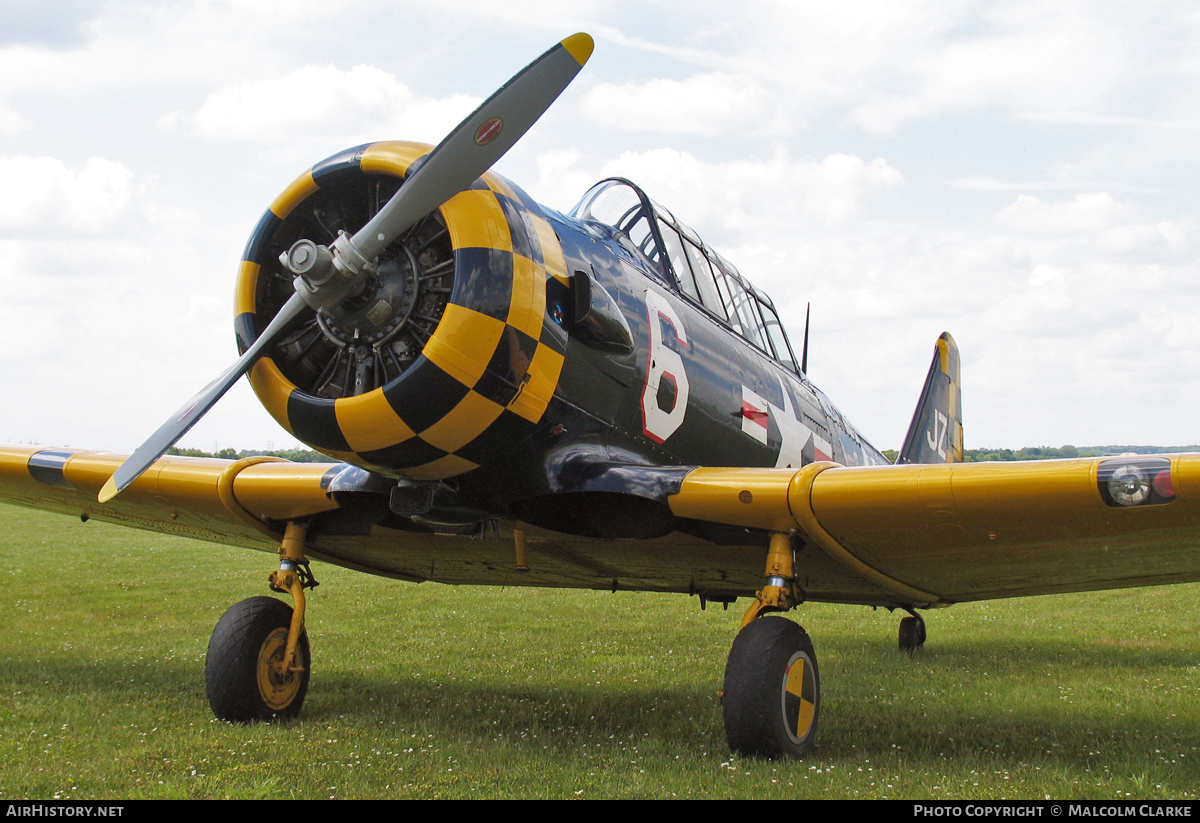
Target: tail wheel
[[912, 633], [243, 670], [772, 696]]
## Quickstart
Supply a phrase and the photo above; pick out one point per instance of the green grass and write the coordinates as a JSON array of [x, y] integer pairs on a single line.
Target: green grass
[[434, 691]]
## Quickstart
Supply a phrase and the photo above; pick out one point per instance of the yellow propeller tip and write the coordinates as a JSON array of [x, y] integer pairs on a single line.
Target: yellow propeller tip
[[579, 46], [108, 492]]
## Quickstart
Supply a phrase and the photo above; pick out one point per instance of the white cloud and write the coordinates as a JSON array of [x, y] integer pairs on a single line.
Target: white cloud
[[563, 177], [45, 196], [725, 198], [10, 121], [882, 65], [1086, 213], [1151, 242], [837, 184], [326, 101], [138, 43], [709, 104]]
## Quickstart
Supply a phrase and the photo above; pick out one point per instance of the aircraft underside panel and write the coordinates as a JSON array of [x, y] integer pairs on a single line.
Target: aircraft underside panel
[[675, 563]]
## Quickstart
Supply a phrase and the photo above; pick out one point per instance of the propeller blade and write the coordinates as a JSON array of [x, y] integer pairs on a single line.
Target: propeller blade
[[465, 154], [183, 420], [477, 142]]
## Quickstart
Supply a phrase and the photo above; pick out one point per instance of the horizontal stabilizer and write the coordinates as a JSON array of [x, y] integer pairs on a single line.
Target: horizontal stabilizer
[[936, 433]]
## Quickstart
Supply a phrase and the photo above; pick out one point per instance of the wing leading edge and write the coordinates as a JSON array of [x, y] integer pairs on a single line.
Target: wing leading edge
[[220, 501]]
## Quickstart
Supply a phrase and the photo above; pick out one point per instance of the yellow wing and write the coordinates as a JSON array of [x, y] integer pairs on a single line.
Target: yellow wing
[[248, 502], [221, 501], [974, 531], [891, 535]]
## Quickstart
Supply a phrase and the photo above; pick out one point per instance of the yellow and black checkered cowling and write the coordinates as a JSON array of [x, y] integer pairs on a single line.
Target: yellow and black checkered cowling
[[483, 379]]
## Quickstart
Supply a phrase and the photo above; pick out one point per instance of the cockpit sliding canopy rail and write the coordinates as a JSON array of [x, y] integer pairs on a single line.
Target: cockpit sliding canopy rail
[[689, 265]]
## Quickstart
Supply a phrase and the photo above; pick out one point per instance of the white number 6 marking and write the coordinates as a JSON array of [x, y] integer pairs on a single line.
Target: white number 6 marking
[[665, 364]]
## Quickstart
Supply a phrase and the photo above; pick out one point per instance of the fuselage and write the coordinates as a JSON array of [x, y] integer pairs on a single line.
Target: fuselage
[[712, 379], [511, 355]]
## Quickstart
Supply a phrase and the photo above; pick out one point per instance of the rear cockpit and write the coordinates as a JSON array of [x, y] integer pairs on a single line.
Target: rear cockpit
[[645, 229]]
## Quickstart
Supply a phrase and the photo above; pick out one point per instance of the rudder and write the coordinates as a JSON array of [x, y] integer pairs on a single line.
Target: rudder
[[936, 432]]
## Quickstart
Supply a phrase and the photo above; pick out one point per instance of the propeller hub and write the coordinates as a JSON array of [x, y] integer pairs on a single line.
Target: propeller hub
[[325, 276], [380, 309], [370, 323]]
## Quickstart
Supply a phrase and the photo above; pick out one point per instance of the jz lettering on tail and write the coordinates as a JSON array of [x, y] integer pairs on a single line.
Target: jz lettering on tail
[[937, 437]]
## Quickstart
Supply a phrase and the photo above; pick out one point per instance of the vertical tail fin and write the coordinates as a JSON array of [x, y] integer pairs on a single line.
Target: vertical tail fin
[[936, 433]]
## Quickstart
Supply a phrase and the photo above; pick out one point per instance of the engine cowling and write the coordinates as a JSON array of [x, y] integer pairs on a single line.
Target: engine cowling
[[450, 354]]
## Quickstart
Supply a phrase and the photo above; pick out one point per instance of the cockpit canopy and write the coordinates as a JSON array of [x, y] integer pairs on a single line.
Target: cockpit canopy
[[689, 265]]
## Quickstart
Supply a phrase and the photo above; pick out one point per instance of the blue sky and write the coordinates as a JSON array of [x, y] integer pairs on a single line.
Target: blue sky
[[1018, 174]]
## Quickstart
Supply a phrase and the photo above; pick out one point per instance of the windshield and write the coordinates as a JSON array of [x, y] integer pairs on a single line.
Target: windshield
[[697, 271], [620, 205]]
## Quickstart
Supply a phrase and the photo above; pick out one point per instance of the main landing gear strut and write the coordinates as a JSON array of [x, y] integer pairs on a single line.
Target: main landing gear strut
[[258, 660], [772, 693]]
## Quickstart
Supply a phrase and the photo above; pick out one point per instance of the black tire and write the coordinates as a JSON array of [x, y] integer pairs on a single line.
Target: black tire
[[241, 684], [763, 716], [912, 634]]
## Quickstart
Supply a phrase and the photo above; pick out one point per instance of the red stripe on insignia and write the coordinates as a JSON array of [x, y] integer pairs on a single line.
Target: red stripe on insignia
[[489, 131], [822, 455], [753, 414]]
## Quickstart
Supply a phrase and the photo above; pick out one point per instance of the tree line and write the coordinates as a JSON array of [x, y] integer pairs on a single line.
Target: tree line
[[1057, 452], [969, 455], [295, 455]]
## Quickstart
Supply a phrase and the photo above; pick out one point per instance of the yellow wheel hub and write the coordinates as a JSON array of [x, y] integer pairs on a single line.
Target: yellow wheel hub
[[277, 686]]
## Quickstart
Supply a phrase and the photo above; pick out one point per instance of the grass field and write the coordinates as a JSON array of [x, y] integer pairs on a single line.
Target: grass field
[[434, 691]]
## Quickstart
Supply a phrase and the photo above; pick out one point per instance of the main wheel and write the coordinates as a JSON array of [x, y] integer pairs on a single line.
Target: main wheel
[[772, 696], [912, 634], [243, 670]]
